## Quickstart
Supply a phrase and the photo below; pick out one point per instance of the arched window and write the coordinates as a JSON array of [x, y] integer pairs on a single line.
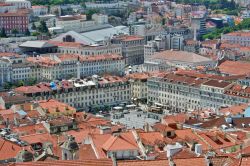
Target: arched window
[[68, 38]]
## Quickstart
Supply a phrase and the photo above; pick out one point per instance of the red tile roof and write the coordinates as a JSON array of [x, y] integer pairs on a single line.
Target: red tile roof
[[116, 143], [217, 83], [129, 37], [9, 149], [30, 129], [87, 162], [40, 138], [98, 141], [66, 44], [143, 163], [235, 67], [188, 135], [234, 110], [153, 138], [86, 152], [239, 33], [52, 106], [9, 54], [190, 162]]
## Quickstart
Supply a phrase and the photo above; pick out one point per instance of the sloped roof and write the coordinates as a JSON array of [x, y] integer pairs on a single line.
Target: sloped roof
[[102, 162], [143, 163], [9, 149], [191, 162], [115, 143], [37, 44], [79, 38], [235, 67]]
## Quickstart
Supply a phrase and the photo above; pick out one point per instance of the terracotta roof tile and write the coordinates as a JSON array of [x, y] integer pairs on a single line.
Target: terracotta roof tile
[[232, 67], [9, 149], [115, 143], [143, 163], [87, 162], [190, 162]]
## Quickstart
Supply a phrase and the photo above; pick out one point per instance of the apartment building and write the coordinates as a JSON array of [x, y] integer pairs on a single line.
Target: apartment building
[[92, 5], [80, 49], [138, 82], [82, 94], [21, 72], [20, 4], [183, 92], [4, 7], [156, 45], [62, 66], [163, 42], [101, 64], [132, 48], [100, 18], [15, 20], [75, 23], [14, 67], [198, 22], [39, 10], [240, 37], [5, 71], [79, 23]]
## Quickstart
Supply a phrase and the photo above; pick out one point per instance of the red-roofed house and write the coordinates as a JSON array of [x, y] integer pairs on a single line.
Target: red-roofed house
[[122, 146]]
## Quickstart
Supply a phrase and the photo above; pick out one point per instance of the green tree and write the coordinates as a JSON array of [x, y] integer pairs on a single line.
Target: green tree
[[31, 81], [27, 32], [14, 32], [3, 33], [7, 85], [90, 12], [43, 27], [20, 83], [33, 27], [35, 33]]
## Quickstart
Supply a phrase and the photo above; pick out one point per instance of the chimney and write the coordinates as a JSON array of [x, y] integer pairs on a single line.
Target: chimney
[[173, 149], [198, 149], [146, 127]]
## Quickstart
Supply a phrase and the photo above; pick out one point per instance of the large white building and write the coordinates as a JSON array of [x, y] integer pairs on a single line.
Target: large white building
[[94, 37], [100, 18], [20, 4], [5, 71], [13, 68], [39, 10], [191, 91], [82, 94], [132, 48], [79, 23], [163, 42], [80, 49], [4, 7], [92, 5], [63, 66], [240, 37], [198, 22], [73, 23]]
